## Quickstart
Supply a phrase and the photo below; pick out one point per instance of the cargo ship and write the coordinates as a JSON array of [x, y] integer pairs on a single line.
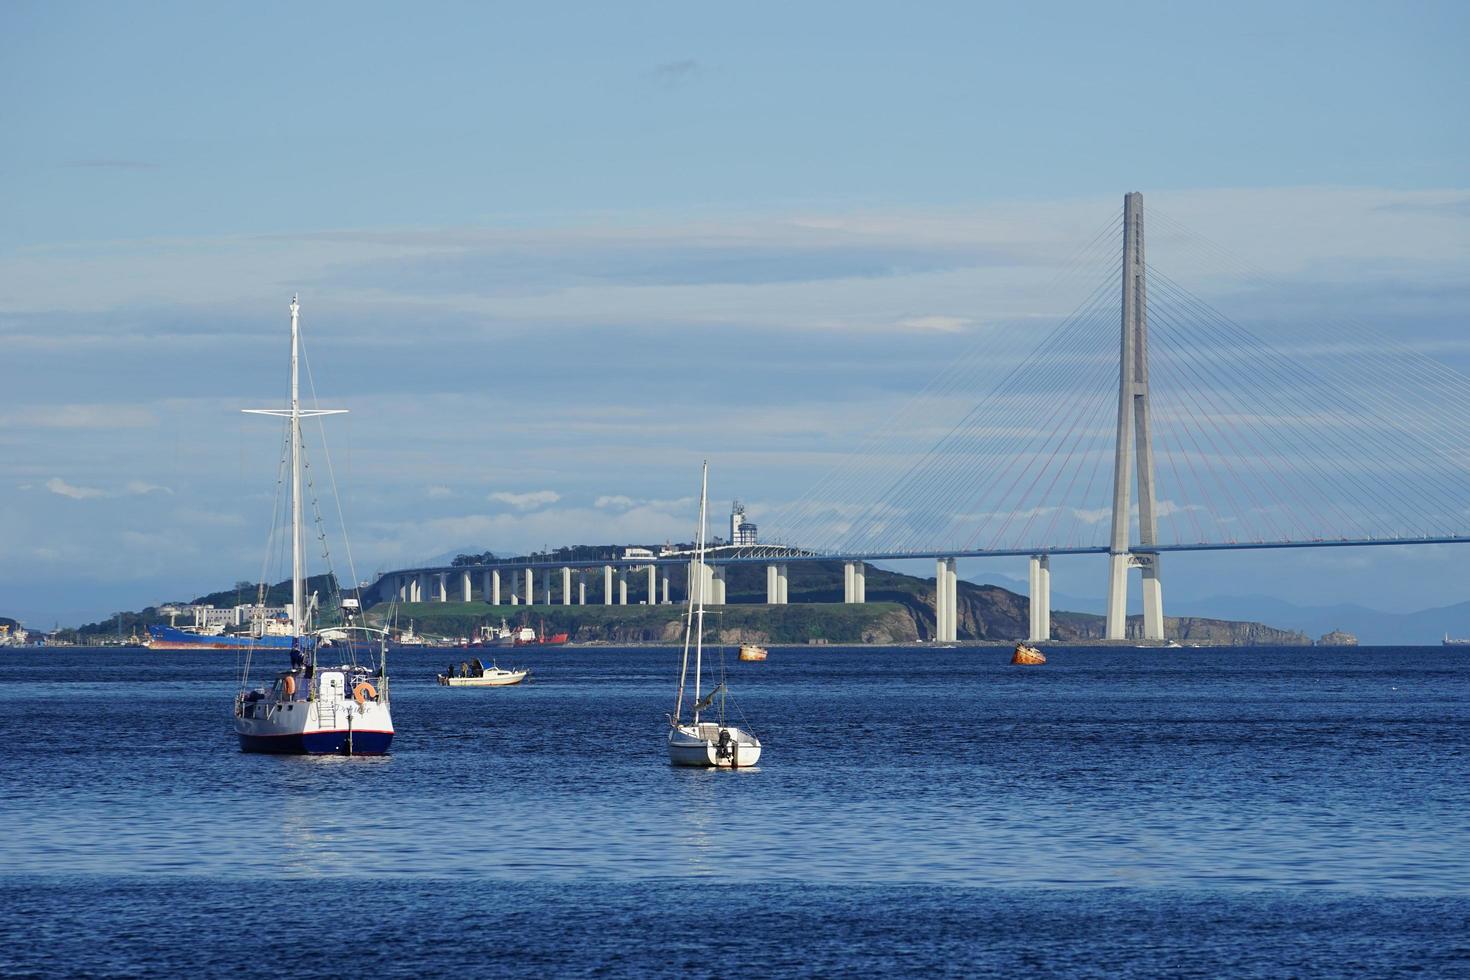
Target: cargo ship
[[172, 638], [527, 637]]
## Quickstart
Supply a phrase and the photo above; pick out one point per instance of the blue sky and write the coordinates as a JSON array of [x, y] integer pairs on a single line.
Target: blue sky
[[550, 255]]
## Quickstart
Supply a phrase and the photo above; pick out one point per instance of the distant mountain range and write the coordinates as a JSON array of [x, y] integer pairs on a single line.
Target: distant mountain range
[[1371, 626]]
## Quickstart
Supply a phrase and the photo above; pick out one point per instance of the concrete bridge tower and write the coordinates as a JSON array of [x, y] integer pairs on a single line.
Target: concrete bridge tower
[[1134, 441]]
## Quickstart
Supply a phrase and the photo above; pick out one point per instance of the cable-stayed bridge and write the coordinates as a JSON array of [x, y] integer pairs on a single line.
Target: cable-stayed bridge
[[1145, 422]]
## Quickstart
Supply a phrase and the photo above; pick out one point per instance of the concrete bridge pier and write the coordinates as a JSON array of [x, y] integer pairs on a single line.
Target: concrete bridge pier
[[941, 592], [652, 573], [566, 586], [848, 590], [622, 586], [783, 581], [581, 588], [607, 588], [530, 587], [403, 589], [465, 590], [421, 590], [1040, 581], [717, 579], [665, 577], [860, 582], [946, 601], [495, 587], [772, 589]]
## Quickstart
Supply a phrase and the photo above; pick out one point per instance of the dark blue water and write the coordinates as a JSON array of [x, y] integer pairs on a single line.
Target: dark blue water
[[1186, 812]]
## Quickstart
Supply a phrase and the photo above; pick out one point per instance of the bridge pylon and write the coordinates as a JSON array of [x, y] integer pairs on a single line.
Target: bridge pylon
[[1134, 446]]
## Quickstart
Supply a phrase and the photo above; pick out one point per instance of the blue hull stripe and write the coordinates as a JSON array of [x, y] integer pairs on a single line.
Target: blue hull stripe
[[318, 743], [168, 638]]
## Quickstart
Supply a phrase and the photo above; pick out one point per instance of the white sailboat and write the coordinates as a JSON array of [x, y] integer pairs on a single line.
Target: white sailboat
[[700, 742], [316, 707]]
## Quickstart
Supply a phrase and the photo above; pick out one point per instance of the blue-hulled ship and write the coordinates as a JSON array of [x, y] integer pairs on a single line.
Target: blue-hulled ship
[[162, 637]]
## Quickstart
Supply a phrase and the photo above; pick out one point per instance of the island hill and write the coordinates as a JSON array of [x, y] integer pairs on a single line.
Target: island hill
[[899, 609]]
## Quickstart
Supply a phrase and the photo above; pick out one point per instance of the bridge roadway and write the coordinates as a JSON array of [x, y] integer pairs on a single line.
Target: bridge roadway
[[432, 583]]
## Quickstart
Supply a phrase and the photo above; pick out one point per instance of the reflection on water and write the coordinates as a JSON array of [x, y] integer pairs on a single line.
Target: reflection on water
[[1328, 769]]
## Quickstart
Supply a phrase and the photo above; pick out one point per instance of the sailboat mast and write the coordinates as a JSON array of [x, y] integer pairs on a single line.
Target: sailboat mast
[[699, 586], [298, 585]]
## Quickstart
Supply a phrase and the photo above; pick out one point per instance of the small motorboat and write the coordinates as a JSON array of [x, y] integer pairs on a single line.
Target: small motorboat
[[1027, 655], [476, 674], [749, 651]]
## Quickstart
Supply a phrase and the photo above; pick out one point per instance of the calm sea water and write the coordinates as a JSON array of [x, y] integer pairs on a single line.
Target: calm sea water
[[1187, 812]]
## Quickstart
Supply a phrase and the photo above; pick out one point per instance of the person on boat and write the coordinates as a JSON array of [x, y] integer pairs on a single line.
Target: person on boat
[[477, 667]]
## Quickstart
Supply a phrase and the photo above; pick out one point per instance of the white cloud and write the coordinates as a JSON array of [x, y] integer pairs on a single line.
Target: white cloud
[[623, 502], [61, 488], [526, 501], [616, 501], [942, 324], [438, 492], [134, 488], [81, 417], [139, 487]]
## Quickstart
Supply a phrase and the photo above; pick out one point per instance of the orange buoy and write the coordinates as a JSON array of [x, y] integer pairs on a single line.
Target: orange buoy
[[363, 691], [288, 684]]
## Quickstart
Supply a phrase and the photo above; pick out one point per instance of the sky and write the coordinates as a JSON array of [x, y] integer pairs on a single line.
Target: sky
[[552, 255]]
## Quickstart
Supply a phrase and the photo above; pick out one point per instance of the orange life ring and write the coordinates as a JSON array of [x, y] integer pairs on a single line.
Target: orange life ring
[[363, 691], [288, 684]]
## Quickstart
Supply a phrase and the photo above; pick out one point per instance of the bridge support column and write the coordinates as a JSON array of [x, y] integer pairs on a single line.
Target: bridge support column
[[622, 586], [665, 584], [607, 588], [946, 600], [952, 603], [485, 586], [771, 587], [402, 589], [1040, 603], [495, 587], [941, 593], [530, 587], [566, 586], [581, 588], [465, 590], [652, 573], [1153, 597], [717, 579], [783, 581], [859, 582], [849, 590], [421, 594]]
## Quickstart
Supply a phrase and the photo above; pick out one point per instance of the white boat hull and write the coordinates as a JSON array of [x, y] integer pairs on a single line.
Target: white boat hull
[[491, 678], [701, 746], [314, 727]]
